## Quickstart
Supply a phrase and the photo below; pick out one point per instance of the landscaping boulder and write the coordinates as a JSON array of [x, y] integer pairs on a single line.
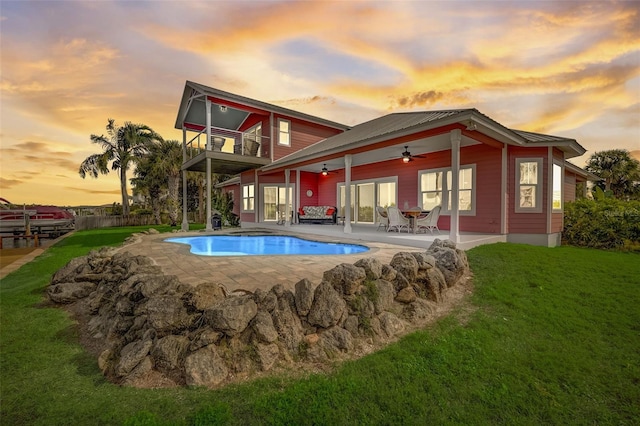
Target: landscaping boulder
[[304, 296], [328, 306], [70, 292], [205, 368], [232, 315], [406, 264], [345, 278]]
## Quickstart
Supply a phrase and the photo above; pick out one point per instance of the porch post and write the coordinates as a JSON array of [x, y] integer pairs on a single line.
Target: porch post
[[297, 203], [287, 215], [185, 220], [208, 148], [347, 194], [454, 233]]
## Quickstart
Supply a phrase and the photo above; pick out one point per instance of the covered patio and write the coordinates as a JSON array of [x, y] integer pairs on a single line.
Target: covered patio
[[367, 233]]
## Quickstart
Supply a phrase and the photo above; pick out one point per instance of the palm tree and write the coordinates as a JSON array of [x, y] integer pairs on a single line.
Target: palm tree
[[166, 158], [617, 168], [122, 146]]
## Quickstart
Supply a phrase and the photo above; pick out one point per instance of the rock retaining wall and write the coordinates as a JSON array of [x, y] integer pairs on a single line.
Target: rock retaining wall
[[149, 329]]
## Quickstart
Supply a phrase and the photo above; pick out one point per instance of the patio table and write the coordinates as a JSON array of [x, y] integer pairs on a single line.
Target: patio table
[[413, 215]]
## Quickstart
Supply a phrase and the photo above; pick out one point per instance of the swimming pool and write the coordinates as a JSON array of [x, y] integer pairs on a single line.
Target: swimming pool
[[262, 245]]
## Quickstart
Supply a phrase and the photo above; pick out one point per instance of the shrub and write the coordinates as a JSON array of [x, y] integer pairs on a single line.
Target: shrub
[[606, 223]]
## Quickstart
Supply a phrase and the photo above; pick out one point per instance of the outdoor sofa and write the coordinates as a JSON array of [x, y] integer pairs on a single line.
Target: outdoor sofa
[[318, 214]]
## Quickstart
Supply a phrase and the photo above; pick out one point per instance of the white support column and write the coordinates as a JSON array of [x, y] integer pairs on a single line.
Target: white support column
[[287, 212], [454, 233], [298, 195], [208, 226], [185, 220], [504, 194], [347, 194]]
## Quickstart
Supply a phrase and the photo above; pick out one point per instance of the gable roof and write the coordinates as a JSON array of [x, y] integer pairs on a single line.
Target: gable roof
[[207, 91]]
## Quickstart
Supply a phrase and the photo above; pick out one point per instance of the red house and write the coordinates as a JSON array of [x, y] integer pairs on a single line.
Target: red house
[[486, 177]]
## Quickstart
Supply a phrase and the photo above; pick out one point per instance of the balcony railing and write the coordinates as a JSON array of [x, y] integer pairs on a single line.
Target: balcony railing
[[248, 144]]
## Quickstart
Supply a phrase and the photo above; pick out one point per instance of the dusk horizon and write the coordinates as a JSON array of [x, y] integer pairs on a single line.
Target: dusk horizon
[[569, 69]]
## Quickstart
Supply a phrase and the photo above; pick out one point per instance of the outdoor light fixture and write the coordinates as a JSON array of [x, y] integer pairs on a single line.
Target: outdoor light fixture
[[406, 155], [223, 108], [325, 171]]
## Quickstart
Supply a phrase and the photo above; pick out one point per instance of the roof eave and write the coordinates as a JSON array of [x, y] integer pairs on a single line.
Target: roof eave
[[210, 91], [580, 171]]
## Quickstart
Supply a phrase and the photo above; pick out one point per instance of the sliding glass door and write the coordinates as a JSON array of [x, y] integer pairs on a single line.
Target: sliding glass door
[[274, 199], [365, 196]]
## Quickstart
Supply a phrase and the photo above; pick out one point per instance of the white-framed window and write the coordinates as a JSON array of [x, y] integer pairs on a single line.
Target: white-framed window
[[248, 197], [284, 132], [528, 185], [435, 188], [558, 188]]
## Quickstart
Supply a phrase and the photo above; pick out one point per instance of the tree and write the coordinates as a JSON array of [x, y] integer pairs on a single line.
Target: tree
[[122, 147], [158, 176], [620, 172], [149, 183], [166, 158]]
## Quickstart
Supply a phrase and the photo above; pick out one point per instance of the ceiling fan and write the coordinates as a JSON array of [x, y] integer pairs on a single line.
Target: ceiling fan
[[406, 155]]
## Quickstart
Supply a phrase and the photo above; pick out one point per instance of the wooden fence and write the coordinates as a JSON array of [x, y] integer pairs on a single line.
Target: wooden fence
[[94, 222]]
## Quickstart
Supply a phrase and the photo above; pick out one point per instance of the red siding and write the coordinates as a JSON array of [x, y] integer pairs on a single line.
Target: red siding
[[488, 161], [309, 181], [527, 223], [303, 134], [488, 167], [569, 186]]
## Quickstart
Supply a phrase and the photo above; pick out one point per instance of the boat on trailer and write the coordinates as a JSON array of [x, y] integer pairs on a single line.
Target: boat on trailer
[[37, 218]]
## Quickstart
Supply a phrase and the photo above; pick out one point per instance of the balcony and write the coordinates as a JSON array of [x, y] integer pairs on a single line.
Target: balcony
[[231, 152]]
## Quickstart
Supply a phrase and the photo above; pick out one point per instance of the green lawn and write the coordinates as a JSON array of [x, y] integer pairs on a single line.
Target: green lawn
[[550, 336]]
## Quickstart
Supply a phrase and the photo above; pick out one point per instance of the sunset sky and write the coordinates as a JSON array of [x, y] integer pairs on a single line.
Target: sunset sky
[[566, 68]]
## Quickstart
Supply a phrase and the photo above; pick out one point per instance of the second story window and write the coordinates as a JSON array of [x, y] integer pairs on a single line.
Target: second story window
[[284, 132]]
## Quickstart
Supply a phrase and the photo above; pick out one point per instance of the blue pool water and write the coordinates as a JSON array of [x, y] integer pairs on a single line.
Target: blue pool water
[[262, 245]]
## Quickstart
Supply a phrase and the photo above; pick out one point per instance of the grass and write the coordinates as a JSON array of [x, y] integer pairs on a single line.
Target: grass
[[550, 336]]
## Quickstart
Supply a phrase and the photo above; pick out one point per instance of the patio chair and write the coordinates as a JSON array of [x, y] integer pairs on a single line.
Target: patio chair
[[396, 220], [430, 221], [383, 219]]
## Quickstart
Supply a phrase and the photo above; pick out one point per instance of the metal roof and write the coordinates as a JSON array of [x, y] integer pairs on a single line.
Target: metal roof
[[539, 137], [397, 124], [210, 91], [379, 127]]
